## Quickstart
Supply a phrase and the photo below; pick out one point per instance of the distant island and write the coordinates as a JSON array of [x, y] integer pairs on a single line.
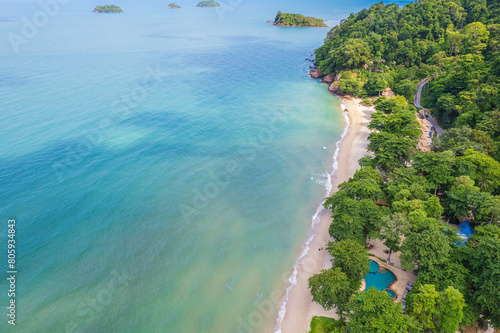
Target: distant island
[[297, 20], [108, 9], [173, 5], [208, 3]]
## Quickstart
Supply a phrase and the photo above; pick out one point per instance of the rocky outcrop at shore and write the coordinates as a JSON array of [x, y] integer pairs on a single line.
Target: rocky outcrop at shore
[[315, 74], [328, 79], [334, 89]]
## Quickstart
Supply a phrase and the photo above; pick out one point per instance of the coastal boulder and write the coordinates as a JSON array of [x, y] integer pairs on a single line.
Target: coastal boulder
[[328, 79], [337, 78], [315, 74], [334, 89]]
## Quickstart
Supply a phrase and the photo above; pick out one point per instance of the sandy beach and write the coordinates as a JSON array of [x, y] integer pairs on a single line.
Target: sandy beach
[[300, 308]]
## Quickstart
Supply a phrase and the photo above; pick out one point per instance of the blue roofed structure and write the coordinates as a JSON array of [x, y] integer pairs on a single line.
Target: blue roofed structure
[[465, 232]]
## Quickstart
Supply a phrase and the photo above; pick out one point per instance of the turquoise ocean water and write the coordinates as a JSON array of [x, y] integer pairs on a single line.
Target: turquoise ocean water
[[163, 166]]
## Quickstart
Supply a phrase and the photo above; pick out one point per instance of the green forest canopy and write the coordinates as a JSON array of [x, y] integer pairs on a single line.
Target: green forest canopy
[[455, 45], [208, 3], [108, 9], [298, 20], [452, 43]]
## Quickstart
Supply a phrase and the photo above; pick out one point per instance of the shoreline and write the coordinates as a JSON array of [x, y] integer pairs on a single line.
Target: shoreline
[[297, 307]]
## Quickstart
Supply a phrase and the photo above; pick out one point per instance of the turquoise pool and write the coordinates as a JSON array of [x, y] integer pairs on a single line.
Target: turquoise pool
[[391, 293], [379, 278]]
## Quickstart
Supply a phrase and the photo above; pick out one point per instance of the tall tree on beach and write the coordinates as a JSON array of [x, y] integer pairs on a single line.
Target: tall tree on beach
[[347, 223], [351, 258], [366, 183], [353, 219], [402, 124], [331, 288], [390, 150]]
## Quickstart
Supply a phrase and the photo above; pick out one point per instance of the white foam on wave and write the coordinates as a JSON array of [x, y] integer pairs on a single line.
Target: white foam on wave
[[315, 219]]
